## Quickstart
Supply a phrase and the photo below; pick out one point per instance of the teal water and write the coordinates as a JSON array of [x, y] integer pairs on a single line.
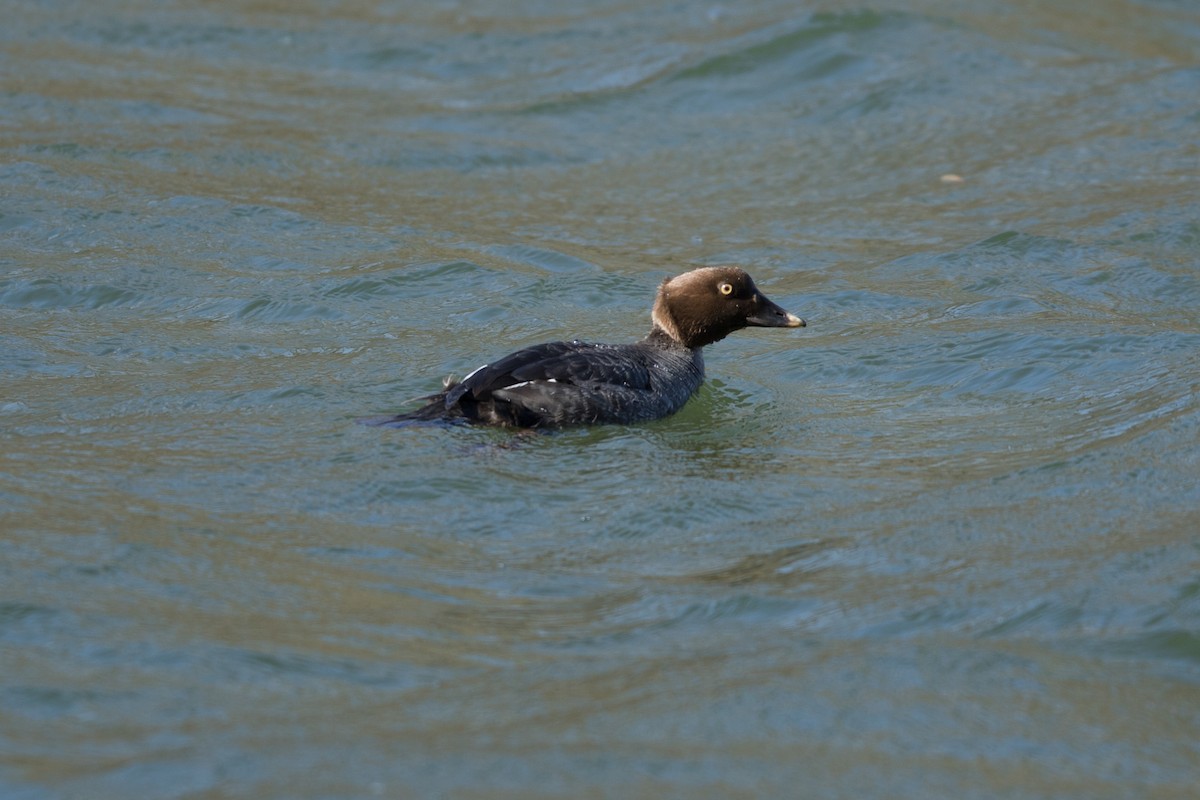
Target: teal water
[[944, 542]]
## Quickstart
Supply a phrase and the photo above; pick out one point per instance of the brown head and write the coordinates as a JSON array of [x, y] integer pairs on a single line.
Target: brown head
[[706, 305]]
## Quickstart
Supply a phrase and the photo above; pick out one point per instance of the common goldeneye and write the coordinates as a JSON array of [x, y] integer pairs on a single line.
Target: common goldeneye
[[574, 383]]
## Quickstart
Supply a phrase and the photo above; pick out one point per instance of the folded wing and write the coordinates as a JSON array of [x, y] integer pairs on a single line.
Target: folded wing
[[554, 383]]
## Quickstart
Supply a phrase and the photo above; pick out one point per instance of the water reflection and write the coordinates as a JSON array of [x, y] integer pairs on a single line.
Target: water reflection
[[911, 549]]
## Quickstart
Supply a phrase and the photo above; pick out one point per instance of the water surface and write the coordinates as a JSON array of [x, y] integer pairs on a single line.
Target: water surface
[[941, 543]]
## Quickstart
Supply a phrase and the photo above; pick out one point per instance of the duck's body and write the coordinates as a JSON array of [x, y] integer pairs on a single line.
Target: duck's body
[[573, 383]]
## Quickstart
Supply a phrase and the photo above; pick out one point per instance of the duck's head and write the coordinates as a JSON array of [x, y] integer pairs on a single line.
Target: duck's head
[[707, 304]]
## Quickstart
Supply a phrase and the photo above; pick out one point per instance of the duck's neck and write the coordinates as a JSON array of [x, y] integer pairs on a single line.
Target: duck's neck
[[664, 337], [664, 320]]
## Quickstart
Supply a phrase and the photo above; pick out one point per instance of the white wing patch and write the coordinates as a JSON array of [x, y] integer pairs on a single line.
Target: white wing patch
[[473, 373], [526, 383]]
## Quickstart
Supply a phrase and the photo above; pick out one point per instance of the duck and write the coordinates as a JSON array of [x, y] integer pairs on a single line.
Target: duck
[[568, 383]]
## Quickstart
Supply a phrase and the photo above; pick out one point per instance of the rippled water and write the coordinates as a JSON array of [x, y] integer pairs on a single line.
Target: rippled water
[[944, 542]]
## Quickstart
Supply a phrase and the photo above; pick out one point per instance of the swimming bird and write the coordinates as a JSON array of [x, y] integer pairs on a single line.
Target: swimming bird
[[576, 383]]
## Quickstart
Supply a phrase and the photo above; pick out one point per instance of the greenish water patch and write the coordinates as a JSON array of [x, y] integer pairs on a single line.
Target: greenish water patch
[[905, 547]]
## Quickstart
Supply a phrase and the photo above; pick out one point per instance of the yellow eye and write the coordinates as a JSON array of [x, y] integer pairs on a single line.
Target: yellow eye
[[725, 288]]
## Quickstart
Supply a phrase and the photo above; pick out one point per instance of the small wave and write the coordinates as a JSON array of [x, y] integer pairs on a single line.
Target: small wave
[[784, 45], [50, 293], [543, 258], [267, 309]]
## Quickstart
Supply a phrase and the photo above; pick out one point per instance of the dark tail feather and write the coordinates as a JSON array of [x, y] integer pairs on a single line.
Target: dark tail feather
[[434, 411], [386, 421]]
